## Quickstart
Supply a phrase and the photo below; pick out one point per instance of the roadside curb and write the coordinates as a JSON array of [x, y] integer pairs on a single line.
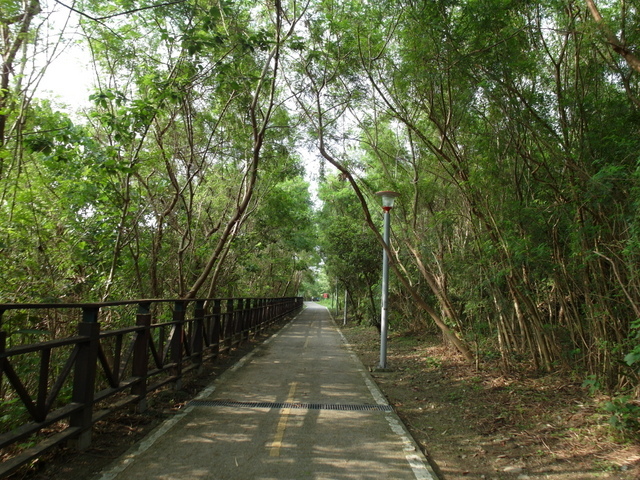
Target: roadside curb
[[421, 469]]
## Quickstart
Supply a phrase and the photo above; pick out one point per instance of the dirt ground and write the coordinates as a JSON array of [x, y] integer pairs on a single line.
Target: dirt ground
[[472, 424], [481, 424]]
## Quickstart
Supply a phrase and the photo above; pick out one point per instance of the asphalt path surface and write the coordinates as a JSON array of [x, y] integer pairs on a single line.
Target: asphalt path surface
[[300, 406]]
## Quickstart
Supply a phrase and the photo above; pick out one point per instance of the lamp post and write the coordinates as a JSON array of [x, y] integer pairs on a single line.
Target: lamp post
[[387, 204]]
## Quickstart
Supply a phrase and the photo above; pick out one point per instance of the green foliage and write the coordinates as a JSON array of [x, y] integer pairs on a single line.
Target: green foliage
[[592, 384], [625, 412], [508, 135], [280, 244], [350, 251], [13, 415], [633, 357]]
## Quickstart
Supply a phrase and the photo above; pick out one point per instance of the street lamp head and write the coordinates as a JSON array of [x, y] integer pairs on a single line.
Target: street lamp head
[[387, 199]]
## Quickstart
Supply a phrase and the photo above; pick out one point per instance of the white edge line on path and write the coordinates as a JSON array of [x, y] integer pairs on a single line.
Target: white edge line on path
[[125, 460], [421, 470]]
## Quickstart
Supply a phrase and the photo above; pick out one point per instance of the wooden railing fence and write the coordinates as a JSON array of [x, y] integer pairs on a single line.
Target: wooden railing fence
[[65, 385]]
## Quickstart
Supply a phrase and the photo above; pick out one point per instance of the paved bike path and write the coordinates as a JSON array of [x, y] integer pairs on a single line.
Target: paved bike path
[[300, 406]]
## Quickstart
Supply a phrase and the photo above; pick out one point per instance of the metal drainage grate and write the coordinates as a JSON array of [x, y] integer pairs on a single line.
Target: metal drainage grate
[[300, 406]]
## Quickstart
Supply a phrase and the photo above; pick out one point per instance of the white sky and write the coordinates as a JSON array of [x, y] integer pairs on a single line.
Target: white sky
[[68, 79]]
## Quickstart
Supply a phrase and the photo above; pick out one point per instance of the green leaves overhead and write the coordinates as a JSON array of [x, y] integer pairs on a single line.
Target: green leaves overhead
[[505, 126], [508, 127], [157, 179]]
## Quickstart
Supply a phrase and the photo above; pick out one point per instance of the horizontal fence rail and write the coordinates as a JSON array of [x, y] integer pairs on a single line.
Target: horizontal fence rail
[[122, 351]]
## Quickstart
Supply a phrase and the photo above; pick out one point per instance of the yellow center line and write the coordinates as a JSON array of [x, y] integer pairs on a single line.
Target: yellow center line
[[306, 343], [282, 424]]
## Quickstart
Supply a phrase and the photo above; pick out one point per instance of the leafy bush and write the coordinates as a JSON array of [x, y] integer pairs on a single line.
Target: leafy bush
[[625, 412]]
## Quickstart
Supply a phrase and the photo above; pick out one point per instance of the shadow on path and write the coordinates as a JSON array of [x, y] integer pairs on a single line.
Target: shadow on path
[[301, 406]]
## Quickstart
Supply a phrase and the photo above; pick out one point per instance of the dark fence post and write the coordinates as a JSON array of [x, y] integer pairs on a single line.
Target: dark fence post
[[268, 309], [140, 365], [176, 342], [257, 309], [266, 315], [252, 318], [239, 316], [85, 376], [244, 318], [237, 322], [230, 324], [275, 311], [259, 315], [215, 337], [198, 333]]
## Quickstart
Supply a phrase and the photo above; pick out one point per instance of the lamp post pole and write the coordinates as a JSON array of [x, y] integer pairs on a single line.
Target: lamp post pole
[[387, 205]]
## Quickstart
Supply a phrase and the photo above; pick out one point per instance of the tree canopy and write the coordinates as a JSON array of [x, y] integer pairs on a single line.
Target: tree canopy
[[509, 128]]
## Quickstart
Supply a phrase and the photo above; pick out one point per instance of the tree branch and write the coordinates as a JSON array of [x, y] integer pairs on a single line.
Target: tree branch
[[632, 60]]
